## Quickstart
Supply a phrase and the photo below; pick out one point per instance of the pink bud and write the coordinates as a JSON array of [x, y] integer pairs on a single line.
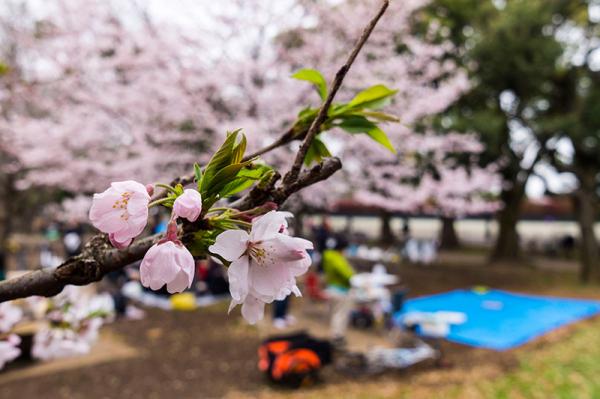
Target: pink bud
[[167, 263], [150, 189], [188, 205]]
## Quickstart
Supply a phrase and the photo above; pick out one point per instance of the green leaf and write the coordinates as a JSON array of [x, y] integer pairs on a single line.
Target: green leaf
[[237, 185], [256, 171], [223, 177], [374, 97], [201, 241], [219, 160], [197, 174], [360, 124], [239, 150], [315, 77], [380, 116], [356, 124], [246, 177], [379, 136], [316, 152]]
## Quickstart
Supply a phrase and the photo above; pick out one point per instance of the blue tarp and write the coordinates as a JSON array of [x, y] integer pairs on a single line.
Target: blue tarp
[[501, 320]]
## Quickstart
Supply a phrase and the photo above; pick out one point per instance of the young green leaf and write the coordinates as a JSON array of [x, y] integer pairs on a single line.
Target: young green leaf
[[198, 174], [220, 159], [245, 178], [223, 177], [239, 150], [316, 152], [374, 97], [380, 116], [356, 124], [360, 124], [379, 136], [315, 77]]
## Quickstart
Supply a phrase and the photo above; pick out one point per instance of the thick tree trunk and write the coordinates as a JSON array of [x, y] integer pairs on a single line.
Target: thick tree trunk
[[386, 235], [586, 212], [507, 243], [448, 236]]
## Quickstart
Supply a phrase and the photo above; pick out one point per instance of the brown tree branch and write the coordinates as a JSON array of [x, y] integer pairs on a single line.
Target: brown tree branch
[[292, 175]]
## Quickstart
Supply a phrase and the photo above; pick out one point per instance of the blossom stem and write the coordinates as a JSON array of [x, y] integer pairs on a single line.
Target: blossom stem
[[166, 187], [223, 209], [240, 222], [159, 202]]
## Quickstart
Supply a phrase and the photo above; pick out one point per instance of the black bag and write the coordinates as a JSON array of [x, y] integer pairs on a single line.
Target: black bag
[[293, 360]]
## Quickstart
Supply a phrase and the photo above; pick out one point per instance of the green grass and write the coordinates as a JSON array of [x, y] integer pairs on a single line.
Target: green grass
[[566, 369]]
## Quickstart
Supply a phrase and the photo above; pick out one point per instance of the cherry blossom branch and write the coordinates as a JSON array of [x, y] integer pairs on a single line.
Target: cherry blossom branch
[[99, 258], [292, 175]]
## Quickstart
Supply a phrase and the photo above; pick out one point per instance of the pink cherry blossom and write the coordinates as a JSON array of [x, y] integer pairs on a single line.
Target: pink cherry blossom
[[56, 343], [73, 324], [118, 244], [9, 349], [9, 316], [121, 211], [188, 205], [167, 263], [264, 264], [150, 189]]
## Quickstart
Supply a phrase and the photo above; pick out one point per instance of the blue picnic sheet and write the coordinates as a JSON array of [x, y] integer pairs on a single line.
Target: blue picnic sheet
[[502, 320]]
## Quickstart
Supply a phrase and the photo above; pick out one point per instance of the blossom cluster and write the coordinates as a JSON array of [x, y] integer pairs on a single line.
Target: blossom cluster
[[71, 322], [263, 262]]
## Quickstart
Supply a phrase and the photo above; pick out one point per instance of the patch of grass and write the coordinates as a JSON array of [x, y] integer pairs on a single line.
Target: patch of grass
[[567, 369]]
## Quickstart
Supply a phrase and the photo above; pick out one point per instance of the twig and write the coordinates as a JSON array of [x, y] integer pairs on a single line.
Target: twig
[[292, 175], [282, 140], [309, 177]]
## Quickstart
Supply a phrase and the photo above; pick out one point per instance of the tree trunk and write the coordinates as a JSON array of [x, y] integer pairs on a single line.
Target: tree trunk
[[386, 235], [448, 236], [7, 196], [507, 243], [586, 212], [299, 224], [348, 228]]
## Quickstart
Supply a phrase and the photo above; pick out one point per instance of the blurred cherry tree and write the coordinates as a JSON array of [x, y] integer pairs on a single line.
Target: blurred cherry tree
[[114, 90]]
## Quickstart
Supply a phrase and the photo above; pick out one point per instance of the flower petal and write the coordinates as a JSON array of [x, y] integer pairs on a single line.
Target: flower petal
[[179, 283], [238, 278], [230, 244], [268, 225], [253, 309]]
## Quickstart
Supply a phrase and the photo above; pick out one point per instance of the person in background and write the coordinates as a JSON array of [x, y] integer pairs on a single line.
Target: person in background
[[72, 239], [281, 318], [2, 265], [338, 272], [322, 233]]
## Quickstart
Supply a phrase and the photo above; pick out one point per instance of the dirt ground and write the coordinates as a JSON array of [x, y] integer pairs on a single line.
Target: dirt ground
[[208, 354]]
